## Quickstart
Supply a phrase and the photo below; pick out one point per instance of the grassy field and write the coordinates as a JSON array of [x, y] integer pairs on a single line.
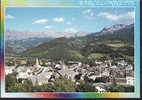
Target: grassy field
[[97, 55], [116, 45]]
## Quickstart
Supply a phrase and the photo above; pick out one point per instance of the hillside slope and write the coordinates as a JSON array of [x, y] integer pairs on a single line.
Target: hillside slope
[[117, 44]]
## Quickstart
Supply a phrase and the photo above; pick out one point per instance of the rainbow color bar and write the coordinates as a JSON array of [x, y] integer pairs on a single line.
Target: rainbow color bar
[[73, 3]]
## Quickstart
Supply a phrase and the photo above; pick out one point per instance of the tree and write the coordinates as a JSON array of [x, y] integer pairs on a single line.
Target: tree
[[10, 80], [43, 88], [28, 85], [64, 85], [101, 79], [129, 89], [77, 77], [118, 88], [17, 87], [86, 87], [114, 82], [87, 80]]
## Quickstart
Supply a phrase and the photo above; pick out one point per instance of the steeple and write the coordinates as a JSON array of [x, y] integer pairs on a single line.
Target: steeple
[[37, 62]]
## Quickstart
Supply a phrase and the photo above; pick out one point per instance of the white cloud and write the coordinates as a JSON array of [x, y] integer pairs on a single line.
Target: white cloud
[[40, 21], [87, 11], [109, 16], [69, 23], [73, 30], [48, 27], [58, 19], [9, 17]]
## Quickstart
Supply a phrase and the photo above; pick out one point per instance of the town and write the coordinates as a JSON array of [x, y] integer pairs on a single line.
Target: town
[[101, 74]]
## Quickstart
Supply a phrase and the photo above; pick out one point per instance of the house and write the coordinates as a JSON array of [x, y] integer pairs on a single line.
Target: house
[[103, 65], [34, 80], [21, 69], [93, 77], [58, 66], [98, 62], [105, 73], [46, 69], [108, 62], [122, 62], [23, 62], [113, 67], [9, 70], [101, 86], [82, 76], [130, 80], [23, 75], [100, 89], [130, 73], [44, 77], [40, 79], [121, 81], [129, 67], [69, 74], [48, 63]]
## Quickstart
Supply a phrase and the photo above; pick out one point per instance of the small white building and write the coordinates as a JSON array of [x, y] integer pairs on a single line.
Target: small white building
[[105, 73], [122, 62], [113, 67], [48, 63], [57, 66], [9, 70], [23, 75], [98, 62], [100, 89], [70, 74], [43, 78], [129, 67], [21, 69], [130, 80]]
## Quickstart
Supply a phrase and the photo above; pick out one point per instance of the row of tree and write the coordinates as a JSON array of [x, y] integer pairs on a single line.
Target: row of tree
[[60, 85]]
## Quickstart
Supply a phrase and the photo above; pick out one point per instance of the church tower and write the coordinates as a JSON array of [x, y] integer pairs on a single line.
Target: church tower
[[37, 62]]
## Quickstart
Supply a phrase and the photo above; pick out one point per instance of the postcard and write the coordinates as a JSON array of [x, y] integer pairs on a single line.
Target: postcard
[[70, 49]]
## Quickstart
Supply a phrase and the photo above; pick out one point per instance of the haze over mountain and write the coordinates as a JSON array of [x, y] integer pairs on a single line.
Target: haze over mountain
[[119, 44], [21, 45], [29, 40], [16, 35]]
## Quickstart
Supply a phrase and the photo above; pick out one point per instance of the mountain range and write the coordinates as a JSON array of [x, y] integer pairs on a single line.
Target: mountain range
[[112, 30], [109, 44], [16, 35], [115, 41]]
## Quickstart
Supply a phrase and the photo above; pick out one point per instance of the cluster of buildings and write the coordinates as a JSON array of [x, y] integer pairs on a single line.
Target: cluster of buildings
[[39, 75]]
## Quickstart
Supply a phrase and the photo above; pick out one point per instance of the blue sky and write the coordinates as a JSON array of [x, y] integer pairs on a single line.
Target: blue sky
[[66, 19]]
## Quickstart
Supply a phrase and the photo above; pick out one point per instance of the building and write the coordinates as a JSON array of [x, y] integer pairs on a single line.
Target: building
[[23, 75], [44, 77], [69, 74], [9, 70], [23, 62], [130, 80], [100, 89], [122, 62], [37, 63]]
